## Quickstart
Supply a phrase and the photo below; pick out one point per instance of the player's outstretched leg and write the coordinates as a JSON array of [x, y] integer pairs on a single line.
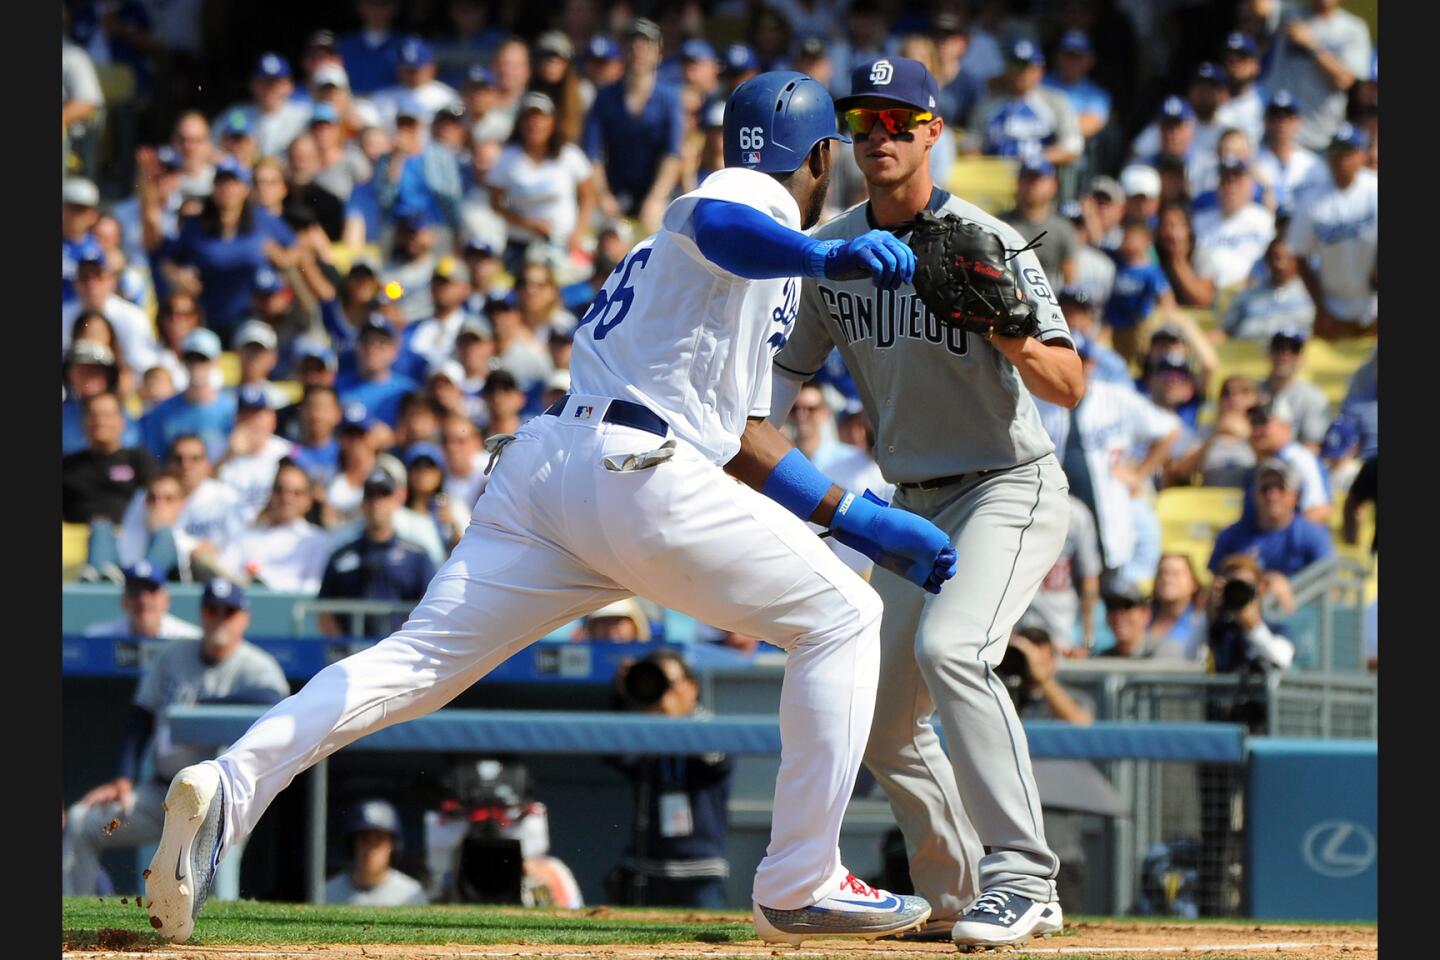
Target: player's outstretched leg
[[183, 868]]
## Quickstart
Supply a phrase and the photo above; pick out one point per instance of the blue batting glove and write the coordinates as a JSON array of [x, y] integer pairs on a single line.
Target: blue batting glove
[[902, 542], [876, 254]]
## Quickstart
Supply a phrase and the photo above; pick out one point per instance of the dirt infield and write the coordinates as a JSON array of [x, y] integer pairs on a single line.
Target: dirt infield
[[1108, 939]]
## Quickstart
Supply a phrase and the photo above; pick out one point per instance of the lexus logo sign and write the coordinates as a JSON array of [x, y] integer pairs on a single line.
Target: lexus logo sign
[[1338, 848]]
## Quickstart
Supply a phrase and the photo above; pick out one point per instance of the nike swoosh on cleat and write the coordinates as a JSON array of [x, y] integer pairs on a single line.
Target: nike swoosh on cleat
[[889, 903], [178, 863]]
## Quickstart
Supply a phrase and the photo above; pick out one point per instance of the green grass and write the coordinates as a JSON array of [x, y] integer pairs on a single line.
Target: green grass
[[254, 923], [250, 922]]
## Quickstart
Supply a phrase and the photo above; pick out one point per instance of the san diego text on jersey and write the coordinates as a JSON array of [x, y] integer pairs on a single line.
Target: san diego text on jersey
[[885, 316]]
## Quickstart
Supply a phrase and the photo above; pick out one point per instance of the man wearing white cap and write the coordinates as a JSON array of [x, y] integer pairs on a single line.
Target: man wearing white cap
[[258, 347], [1141, 184], [248, 466], [80, 210]]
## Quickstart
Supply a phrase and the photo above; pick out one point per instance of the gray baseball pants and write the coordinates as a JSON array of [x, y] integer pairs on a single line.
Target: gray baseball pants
[[972, 820]]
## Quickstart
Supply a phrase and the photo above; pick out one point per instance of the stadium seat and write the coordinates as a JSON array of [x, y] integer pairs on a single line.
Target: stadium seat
[[1196, 513], [343, 254], [987, 182], [74, 548], [1239, 358], [291, 389], [230, 367]]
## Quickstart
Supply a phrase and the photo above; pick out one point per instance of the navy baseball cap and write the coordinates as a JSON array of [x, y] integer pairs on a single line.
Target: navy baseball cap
[[313, 348], [252, 396], [412, 220], [1025, 51], [602, 47], [272, 66], [357, 417], [740, 58], [379, 481], [697, 49], [1210, 73], [893, 78], [1076, 296], [268, 280], [143, 575], [378, 323], [373, 815], [1340, 437], [1233, 165], [236, 124], [1037, 166], [1282, 101], [220, 592], [477, 246], [1075, 41], [480, 76], [1292, 337], [1071, 210], [1349, 137], [228, 166], [90, 251], [422, 450], [1241, 43], [415, 52], [1175, 110]]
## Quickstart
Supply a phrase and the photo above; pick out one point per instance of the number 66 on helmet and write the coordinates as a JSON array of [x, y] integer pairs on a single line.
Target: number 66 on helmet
[[772, 121]]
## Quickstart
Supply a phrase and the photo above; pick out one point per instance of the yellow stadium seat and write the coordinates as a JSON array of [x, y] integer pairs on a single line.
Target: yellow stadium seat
[[1196, 513], [74, 547], [343, 254], [291, 389], [117, 82], [1239, 358], [230, 368], [987, 182]]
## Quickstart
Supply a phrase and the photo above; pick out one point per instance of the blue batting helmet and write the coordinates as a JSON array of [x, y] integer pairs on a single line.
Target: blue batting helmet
[[773, 119]]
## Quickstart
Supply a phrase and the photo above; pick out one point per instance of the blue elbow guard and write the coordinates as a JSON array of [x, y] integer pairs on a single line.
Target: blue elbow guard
[[796, 485]]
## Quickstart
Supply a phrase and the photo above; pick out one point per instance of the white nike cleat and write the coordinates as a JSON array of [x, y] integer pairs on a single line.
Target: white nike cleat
[[855, 910], [999, 918], [183, 868]]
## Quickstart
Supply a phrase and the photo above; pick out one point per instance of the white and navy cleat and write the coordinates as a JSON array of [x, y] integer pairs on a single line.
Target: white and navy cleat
[[1000, 918], [183, 868], [855, 910]]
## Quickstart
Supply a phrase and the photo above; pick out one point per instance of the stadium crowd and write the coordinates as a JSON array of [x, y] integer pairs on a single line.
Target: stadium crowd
[[287, 338]]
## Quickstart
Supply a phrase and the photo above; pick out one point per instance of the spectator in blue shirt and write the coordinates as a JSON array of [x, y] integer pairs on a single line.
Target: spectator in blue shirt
[[633, 133], [317, 448], [378, 565], [80, 208], [1277, 536], [373, 384], [372, 52], [472, 39], [221, 250], [90, 370], [1071, 77], [1079, 313], [960, 92], [1140, 287], [203, 409]]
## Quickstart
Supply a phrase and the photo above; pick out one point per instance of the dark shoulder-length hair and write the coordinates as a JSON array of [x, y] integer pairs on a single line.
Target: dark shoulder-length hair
[[209, 216], [552, 145]]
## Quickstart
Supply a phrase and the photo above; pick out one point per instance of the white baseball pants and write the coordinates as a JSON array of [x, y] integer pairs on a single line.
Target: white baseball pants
[[556, 535]]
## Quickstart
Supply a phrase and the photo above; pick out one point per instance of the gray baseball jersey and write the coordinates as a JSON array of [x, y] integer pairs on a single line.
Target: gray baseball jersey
[[179, 677], [905, 362]]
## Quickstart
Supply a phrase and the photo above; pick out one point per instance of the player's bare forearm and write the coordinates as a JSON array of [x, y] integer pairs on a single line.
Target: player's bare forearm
[[761, 448], [1051, 371], [1158, 453]]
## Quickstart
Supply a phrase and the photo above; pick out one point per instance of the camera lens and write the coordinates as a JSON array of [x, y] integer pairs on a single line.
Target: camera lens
[[645, 684], [1237, 594]]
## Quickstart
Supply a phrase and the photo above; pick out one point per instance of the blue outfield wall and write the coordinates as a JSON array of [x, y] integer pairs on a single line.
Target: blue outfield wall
[[1312, 829]]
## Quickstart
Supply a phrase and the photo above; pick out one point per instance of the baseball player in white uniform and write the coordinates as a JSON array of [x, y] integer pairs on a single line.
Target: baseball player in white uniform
[[622, 488], [958, 434]]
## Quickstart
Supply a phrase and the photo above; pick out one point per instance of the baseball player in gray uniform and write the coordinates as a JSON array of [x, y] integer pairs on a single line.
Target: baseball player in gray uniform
[[959, 435], [219, 667]]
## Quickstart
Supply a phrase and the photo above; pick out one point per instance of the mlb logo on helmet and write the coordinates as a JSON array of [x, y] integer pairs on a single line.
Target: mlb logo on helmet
[[750, 157], [881, 72]]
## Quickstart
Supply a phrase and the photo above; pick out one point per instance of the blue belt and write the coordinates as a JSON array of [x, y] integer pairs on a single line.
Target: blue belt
[[623, 412]]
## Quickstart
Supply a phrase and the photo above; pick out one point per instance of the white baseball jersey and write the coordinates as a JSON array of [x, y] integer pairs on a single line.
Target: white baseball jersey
[[1292, 181], [1113, 419], [1235, 242], [1342, 228], [694, 343]]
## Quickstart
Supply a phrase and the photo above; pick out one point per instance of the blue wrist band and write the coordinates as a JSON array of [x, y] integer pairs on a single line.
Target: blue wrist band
[[817, 255], [796, 485]]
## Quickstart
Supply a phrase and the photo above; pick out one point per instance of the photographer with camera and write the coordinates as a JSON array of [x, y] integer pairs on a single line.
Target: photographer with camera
[[677, 856], [1235, 636], [1028, 670]]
